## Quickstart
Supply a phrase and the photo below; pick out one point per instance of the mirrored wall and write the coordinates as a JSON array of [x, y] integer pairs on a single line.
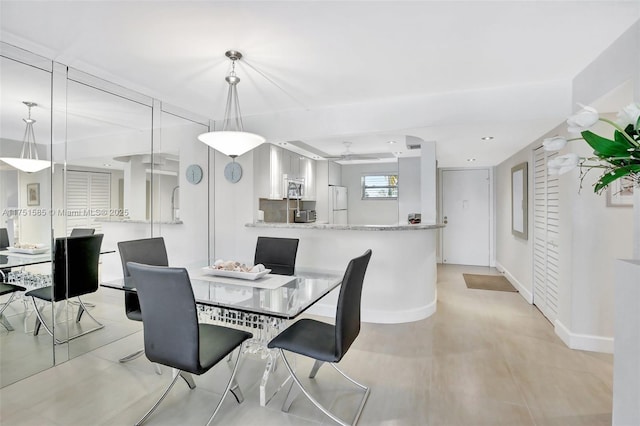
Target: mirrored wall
[[117, 166]]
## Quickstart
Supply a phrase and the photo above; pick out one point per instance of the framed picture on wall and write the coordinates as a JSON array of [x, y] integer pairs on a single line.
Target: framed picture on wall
[[33, 194], [519, 196], [620, 193]]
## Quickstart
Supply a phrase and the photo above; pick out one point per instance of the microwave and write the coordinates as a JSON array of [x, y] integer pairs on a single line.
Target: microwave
[[294, 189], [304, 216]]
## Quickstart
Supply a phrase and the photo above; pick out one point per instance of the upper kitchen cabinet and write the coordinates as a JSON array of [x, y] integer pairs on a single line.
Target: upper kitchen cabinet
[[308, 173], [268, 171], [272, 163]]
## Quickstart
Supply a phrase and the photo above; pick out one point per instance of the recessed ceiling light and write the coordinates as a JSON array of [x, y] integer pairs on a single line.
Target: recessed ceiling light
[[487, 138], [391, 142], [398, 153], [471, 160], [107, 165]]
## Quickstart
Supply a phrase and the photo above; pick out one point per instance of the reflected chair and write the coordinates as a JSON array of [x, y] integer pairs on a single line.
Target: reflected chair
[[148, 251], [77, 232], [4, 243], [172, 334], [4, 239], [277, 254], [6, 288], [325, 342], [75, 273]]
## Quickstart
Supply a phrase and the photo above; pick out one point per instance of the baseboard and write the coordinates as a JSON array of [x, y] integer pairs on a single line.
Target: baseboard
[[524, 292], [379, 316], [583, 342]]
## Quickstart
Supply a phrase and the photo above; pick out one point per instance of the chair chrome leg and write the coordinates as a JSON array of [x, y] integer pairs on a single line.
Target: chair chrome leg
[[132, 356], [3, 320], [292, 394], [235, 390], [228, 388], [40, 321], [83, 308], [146, 416], [320, 406], [315, 368], [187, 378]]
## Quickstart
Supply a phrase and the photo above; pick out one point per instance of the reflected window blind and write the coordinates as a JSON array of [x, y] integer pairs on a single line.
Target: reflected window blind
[[88, 198]]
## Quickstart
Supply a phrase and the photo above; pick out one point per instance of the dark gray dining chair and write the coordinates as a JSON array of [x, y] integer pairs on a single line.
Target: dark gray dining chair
[[325, 342], [277, 254], [4, 239], [172, 334], [77, 232], [4, 243], [75, 273], [11, 290], [148, 251]]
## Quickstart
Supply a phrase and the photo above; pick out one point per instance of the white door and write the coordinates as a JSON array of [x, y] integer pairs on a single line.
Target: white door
[[546, 235], [465, 209]]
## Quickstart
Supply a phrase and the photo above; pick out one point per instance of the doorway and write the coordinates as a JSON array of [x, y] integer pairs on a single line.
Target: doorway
[[466, 210]]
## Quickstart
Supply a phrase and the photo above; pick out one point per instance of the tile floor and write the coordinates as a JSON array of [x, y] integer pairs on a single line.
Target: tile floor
[[485, 358]]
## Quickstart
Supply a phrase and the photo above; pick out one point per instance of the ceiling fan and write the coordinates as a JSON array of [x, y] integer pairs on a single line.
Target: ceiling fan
[[347, 155]]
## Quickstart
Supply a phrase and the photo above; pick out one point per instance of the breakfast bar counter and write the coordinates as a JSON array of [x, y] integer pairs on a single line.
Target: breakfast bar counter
[[400, 284]]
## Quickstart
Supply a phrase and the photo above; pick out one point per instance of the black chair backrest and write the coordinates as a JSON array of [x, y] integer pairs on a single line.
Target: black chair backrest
[[75, 266], [4, 238], [169, 316], [348, 310], [277, 254], [76, 232], [148, 251]]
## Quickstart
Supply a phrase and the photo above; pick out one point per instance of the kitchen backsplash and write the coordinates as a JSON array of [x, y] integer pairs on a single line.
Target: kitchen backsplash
[[275, 210]]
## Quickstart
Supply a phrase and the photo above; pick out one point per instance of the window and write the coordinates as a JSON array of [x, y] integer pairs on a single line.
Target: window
[[377, 187]]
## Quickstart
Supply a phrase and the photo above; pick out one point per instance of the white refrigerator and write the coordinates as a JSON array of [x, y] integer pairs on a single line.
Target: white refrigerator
[[338, 205]]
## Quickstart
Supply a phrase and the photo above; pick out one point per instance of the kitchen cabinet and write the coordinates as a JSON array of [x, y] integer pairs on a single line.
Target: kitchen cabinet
[[267, 165], [272, 162], [308, 173]]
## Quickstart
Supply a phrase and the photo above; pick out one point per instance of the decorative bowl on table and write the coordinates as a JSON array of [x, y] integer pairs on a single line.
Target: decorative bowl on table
[[29, 248], [233, 269]]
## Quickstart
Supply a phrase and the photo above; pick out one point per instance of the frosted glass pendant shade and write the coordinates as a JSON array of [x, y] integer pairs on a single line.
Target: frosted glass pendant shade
[[231, 143], [27, 165]]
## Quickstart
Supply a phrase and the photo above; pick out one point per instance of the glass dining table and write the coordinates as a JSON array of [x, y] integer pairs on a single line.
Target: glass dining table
[[263, 306]]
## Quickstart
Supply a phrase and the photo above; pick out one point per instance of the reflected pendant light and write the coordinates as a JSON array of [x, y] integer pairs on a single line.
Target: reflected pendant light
[[232, 140], [28, 161]]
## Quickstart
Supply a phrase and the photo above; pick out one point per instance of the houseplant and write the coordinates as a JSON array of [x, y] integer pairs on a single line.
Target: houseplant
[[615, 157]]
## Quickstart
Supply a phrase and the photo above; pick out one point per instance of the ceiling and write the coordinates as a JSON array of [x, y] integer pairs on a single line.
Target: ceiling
[[323, 73]]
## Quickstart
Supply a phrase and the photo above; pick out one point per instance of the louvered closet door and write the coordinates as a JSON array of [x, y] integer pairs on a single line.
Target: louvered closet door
[[88, 197], [546, 233]]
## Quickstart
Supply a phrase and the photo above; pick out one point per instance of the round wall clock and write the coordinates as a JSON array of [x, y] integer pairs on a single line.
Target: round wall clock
[[194, 174], [233, 172]]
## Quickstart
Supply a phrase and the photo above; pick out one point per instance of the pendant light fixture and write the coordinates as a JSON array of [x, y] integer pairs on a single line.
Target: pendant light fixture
[[28, 161], [232, 140]]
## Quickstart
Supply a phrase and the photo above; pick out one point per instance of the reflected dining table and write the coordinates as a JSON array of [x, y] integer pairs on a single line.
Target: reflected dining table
[[16, 262], [263, 306]]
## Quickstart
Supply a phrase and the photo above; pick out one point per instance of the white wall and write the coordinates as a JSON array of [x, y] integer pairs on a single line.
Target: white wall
[[513, 254], [368, 212], [409, 186]]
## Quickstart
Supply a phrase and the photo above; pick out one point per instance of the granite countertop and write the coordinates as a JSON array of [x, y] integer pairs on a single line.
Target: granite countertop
[[124, 220], [345, 227]]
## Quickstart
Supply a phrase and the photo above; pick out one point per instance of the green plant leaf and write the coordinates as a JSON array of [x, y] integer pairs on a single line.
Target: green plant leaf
[[604, 147], [609, 177]]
